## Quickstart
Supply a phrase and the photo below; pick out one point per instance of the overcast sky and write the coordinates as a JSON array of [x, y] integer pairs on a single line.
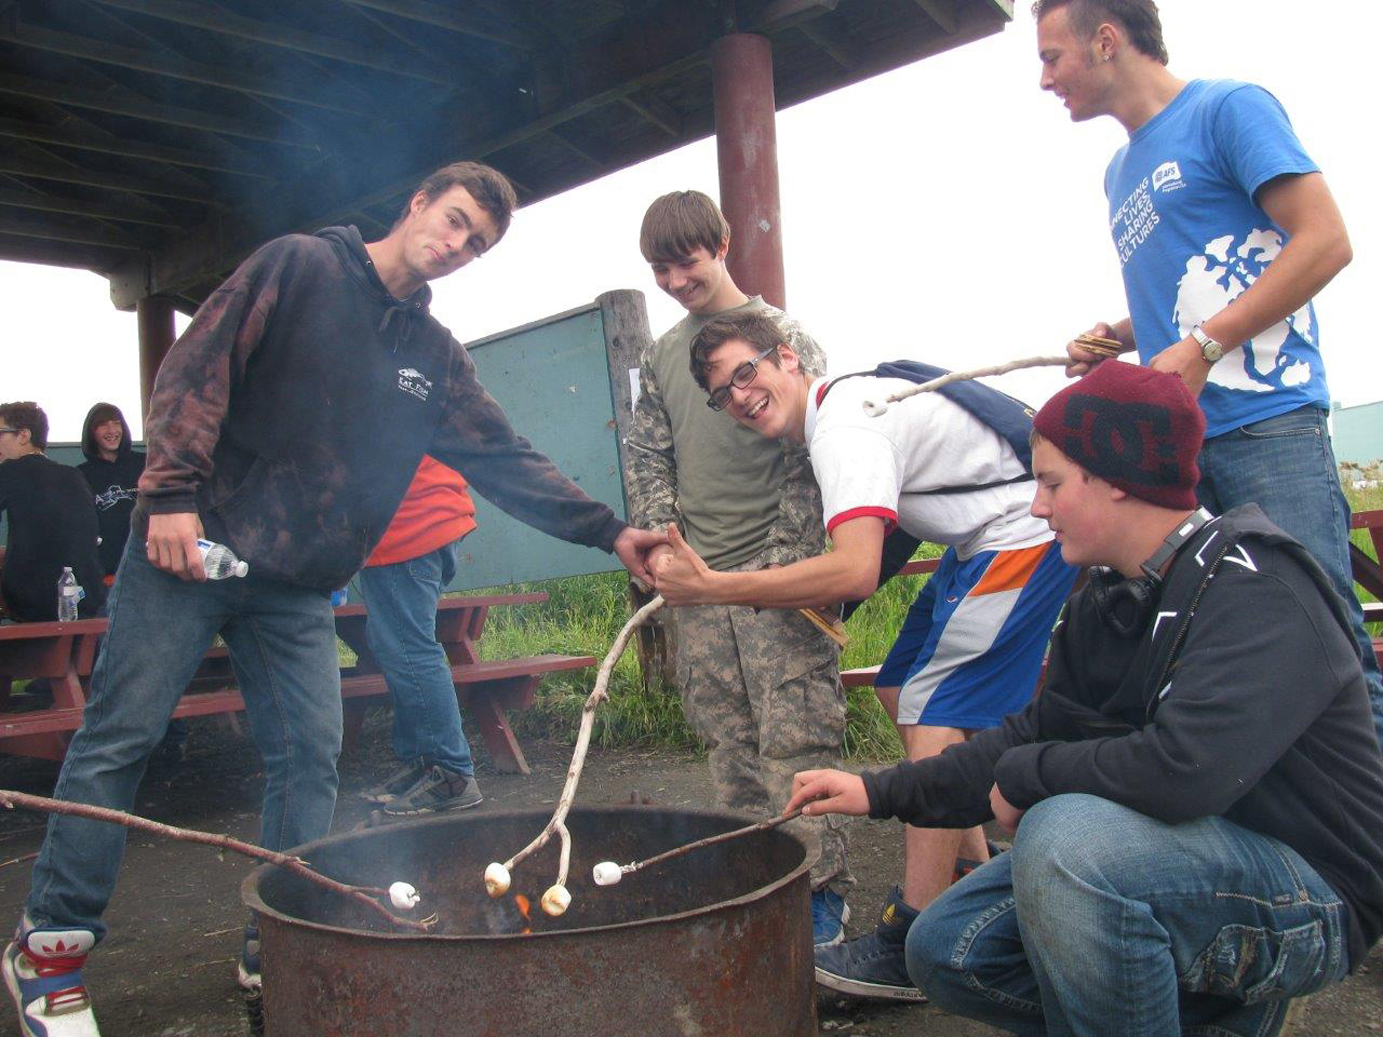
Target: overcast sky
[[949, 211]]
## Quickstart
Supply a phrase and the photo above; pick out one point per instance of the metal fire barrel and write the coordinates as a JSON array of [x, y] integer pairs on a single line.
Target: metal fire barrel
[[714, 942]]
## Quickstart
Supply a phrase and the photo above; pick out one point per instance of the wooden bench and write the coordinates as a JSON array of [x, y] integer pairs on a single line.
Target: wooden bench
[[64, 653], [1367, 574]]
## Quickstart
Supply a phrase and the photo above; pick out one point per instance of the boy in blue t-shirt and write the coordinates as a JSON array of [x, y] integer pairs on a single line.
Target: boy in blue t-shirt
[[1212, 202]]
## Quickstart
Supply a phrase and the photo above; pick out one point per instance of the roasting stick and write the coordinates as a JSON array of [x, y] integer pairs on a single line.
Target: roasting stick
[[557, 898], [874, 409], [607, 873], [828, 624], [361, 894]]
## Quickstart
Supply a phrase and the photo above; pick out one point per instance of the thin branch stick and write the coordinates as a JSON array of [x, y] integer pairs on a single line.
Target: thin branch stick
[[583, 738], [874, 409], [701, 844], [361, 894]]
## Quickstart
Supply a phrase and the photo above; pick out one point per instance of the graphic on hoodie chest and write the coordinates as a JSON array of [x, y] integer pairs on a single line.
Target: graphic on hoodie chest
[[414, 383]]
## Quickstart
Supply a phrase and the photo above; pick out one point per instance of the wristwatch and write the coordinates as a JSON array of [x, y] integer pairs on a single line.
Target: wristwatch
[[1210, 349]]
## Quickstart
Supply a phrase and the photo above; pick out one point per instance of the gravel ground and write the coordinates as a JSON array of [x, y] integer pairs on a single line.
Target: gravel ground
[[168, 967]]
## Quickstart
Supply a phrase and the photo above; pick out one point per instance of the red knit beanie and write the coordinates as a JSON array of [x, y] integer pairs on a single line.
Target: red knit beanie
[[1135, 428]]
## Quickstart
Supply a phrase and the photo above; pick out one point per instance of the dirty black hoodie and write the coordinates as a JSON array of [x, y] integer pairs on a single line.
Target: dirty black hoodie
[[294, 410], [1242, 698]]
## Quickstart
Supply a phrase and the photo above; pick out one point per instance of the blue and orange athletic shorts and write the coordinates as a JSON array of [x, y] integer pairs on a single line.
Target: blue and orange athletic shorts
[[971, 648]]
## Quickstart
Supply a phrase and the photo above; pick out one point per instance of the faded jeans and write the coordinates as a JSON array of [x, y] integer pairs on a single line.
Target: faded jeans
[[1101, 922], [401, 626], [1286, 466], [282, 642]]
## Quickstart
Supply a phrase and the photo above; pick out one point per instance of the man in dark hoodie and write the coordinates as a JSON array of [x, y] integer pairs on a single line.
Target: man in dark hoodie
[[1197, 793], [286, 422], [112, 468], [52, 523]]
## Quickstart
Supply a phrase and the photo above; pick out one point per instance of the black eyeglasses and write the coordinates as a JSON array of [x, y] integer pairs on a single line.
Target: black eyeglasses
[[742, 378], [12, 431]]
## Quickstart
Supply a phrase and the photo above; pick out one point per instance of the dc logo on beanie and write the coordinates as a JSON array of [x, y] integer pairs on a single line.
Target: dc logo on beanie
[[1131, 441]]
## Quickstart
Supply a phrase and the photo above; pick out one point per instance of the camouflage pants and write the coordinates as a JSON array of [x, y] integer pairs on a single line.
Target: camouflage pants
[[762, 689]]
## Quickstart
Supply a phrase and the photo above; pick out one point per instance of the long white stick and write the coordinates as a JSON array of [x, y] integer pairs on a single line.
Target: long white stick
[[874, 409], [556, 898]]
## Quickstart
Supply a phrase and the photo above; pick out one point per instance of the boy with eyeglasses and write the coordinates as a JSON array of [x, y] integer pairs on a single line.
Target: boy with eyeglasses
[[944, 468], [761, 687]]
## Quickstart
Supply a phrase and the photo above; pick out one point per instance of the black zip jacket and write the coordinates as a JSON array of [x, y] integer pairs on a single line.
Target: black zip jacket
[[1242, 698], [52, 526], [293, 412]]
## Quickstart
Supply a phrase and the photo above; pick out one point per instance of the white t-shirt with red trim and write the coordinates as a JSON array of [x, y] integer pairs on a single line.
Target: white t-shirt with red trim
[[885, 467]]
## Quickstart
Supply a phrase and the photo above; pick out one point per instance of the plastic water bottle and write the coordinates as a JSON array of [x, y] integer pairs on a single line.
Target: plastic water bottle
[[70, 593], [219, 561]]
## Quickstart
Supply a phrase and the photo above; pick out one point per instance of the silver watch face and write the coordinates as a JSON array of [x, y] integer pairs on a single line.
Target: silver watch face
[[1210, 349]]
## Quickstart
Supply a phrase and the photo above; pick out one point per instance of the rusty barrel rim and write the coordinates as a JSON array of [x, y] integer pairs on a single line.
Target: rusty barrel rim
[[249, 888]]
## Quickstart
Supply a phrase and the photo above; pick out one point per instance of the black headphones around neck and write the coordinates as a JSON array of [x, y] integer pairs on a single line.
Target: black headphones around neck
[[1126, 604]]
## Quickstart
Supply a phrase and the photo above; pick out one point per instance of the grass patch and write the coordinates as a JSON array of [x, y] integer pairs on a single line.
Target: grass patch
[[583, 614]]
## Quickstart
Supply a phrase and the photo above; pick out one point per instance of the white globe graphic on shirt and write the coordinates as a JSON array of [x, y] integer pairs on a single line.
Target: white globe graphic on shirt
[[1216, 278]]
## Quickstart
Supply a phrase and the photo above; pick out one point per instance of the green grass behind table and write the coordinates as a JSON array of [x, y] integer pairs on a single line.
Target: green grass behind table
[[583, 614]]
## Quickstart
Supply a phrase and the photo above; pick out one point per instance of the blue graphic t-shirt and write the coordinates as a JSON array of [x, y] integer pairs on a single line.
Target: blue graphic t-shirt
[[1190, 239]]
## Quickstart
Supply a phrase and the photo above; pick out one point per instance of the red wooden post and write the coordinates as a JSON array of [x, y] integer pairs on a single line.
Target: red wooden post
[[156, 334], [747, 149]]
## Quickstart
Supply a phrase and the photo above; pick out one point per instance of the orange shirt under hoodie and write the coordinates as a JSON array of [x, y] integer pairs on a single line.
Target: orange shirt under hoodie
[[436, 510]]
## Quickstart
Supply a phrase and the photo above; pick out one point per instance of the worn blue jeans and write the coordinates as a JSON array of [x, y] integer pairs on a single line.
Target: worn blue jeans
[[282, 642], [401, 603], [1102, 922], [1286, 466]]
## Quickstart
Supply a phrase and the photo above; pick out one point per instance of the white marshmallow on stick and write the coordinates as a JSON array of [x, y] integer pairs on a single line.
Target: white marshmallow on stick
[[497, 872], [874, 408]]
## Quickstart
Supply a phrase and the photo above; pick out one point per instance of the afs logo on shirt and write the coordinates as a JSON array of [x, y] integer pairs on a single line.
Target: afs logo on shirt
[[1167, 177], [412, 382]]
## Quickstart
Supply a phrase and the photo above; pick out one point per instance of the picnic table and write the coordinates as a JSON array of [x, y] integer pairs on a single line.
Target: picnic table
[[64, 653]]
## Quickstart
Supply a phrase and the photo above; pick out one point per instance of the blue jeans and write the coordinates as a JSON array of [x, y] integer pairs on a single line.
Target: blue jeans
[[1286, 466], [282, 642], [1103, 922], [401, 605]]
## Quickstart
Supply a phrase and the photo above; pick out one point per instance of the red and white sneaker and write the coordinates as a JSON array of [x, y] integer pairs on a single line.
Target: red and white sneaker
[[43, 971]]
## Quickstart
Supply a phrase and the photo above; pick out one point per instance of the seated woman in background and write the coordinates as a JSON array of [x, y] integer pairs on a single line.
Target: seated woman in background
[[112, 468]]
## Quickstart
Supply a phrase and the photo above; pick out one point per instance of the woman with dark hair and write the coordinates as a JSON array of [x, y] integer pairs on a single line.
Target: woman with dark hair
[[112, 468]]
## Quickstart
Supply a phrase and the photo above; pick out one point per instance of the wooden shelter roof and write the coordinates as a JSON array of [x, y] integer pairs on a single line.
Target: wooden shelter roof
[[159, 141]]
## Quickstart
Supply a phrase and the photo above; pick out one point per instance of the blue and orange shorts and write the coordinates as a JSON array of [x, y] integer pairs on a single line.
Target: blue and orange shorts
[[971, 648]]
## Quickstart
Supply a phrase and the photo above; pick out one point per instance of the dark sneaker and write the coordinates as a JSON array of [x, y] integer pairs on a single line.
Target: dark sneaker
[[438, 789], [873, 965], [43, 971], [830, 912], [396, 784]]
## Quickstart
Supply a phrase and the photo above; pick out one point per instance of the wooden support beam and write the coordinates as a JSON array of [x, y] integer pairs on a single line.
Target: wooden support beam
[[943, 14], [76, 234], [46, 169], [60, 253], [89, 49], [154, 317], [113, 145], [218, 20], [134, 107], [41, 201], [661, 115], [556, 134], [832, 41], [445, 17]]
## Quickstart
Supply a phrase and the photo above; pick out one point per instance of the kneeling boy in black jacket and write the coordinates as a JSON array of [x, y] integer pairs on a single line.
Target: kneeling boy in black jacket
[[1197, 794]]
